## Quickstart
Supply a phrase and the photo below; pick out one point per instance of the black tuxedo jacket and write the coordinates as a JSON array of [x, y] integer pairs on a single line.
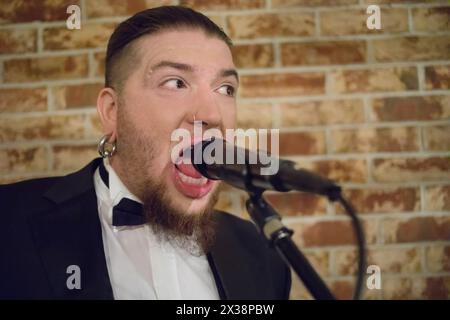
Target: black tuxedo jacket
[[48, 224]]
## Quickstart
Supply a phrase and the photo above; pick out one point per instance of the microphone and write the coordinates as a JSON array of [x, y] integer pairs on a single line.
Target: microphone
[[252, 170], [242, 170]]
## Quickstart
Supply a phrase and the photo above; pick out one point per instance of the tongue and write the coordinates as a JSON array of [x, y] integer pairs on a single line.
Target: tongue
[[189, 170]]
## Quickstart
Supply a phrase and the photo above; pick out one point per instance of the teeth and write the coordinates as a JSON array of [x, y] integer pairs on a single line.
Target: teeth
[[190, 180]]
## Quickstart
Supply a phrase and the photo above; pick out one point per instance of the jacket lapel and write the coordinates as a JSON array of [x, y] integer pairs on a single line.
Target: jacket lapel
[[69, 238], [237, 272]]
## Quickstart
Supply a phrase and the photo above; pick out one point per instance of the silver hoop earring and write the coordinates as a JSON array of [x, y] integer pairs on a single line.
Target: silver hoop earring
[[105, 148]]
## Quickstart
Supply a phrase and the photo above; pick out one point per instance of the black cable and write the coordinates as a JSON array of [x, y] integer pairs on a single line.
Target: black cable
[[361, 245]]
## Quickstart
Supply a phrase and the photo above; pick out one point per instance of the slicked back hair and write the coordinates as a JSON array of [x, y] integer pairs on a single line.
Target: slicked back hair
[[122, 55]]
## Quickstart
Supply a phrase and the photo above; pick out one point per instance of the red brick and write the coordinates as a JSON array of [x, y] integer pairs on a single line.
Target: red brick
[[412, 108], [95, 129], [396, 260], [75, 96], [253, 56], [27, 11], [22, 160], [437, 77], [302, 143], [411, 169], [391, 260], [17, 40], [437, 138], [41, 128], [437, 198], [71, 158], [437, 288], [400, 1], [375, 79], [283, 84], [227, 202], [412, 49], [437, 258], [91, 35], [108, 8], [350, 170], [252, 26], [431, 19], [375, 140], [48, 68], [328, 233], [416, 288], [297, 204], [254, 116], [23, 100], [99, 59], [292, 3], [331, 233], [319, 261], [321, 112], [383, 200], [342, 289], [353, 21], [223, 4], [416, 229], [323, 53]]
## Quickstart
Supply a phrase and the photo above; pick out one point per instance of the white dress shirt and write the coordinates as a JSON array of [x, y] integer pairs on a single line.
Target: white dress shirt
[[140, 266]]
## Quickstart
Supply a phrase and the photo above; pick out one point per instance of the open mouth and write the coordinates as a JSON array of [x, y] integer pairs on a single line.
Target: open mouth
[[188, 180]]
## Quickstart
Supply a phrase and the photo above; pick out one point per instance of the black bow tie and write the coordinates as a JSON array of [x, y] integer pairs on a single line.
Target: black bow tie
[[127, 212]]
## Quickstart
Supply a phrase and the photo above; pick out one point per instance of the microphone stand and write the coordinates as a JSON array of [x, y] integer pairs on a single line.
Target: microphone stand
[[269, 222]]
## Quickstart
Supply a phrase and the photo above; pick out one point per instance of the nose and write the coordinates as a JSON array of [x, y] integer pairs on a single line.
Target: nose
[[207, 110]]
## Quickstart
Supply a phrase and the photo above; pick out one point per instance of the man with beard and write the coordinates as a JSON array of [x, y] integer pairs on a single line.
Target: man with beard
[[135, 225]]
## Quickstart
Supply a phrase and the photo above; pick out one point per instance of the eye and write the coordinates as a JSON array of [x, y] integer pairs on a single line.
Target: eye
[[174, 84], [227, 90]]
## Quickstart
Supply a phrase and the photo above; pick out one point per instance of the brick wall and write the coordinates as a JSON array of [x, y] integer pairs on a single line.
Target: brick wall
[[369, 109]]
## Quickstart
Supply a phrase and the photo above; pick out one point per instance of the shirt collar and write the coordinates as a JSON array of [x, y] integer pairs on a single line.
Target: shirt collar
[[117, 189]]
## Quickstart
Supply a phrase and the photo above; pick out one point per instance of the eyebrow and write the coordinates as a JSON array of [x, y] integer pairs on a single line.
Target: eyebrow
[[229, 73], [186, 67], [175, 65]]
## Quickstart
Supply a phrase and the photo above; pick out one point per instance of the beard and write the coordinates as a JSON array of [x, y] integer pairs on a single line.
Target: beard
[[193, 231]]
